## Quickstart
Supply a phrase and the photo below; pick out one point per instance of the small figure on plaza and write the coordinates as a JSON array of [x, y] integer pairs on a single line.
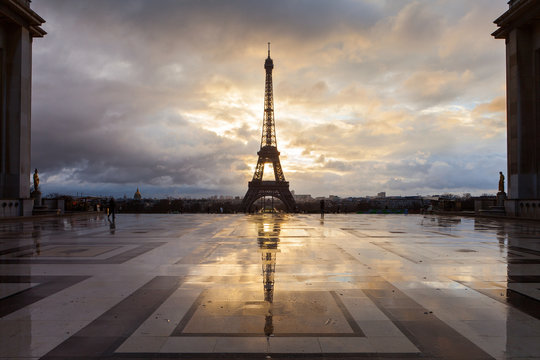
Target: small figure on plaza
[[112, 209], [36, 180], [501, 182]]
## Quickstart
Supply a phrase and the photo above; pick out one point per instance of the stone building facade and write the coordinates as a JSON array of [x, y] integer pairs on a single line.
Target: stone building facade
[[520, 27], [19, 25]]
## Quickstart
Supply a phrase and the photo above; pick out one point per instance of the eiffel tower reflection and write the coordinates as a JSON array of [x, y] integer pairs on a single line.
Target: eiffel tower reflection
[[268, 228]]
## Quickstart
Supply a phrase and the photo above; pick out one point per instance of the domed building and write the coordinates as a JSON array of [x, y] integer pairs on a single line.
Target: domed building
[[137, 195]]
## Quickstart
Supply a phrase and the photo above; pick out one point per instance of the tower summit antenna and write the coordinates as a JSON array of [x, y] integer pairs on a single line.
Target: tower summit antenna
[[268, 49]]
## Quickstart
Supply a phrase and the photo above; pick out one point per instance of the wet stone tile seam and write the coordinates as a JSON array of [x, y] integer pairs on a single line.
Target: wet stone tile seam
[[105, 334], [179, 330], [116, 259], [513, 298], [430, 335], [47, 286]]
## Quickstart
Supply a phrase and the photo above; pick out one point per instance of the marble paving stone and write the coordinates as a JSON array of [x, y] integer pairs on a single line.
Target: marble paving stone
[[24, 347], [7, 289], [241, 312], [379, 328], [137, 344], [83, 309], [73, 251], [309, 345], [523, 346], [363, 309], [495, 346], [242, 345], [529, 289], [39, 328], [392, 344], [346, 345], [168, 316], [189, 345]]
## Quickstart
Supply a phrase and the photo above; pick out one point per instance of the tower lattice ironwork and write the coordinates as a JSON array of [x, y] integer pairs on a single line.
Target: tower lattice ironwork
[[268, 153]]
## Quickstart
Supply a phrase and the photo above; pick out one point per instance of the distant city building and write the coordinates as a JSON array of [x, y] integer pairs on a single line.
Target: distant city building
[[382, 194], [302, 198], [137, 195]]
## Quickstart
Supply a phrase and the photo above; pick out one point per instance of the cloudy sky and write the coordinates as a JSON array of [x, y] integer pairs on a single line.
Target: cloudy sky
[[400, 96]]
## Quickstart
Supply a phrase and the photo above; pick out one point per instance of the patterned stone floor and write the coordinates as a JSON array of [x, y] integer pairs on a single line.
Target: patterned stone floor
[[270, 286]]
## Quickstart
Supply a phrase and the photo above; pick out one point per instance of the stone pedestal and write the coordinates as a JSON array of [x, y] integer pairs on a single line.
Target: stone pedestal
[[36, 195], [493, 210], [501, 197]]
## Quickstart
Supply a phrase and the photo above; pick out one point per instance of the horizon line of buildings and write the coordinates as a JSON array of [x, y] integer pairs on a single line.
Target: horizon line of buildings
[[297, 197]]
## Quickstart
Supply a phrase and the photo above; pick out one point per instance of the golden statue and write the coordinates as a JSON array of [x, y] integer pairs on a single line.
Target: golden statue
[[501, 182], [36, 180]]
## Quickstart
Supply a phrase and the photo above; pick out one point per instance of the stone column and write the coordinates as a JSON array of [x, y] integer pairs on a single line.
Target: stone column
[[523, 65], [17, 67]]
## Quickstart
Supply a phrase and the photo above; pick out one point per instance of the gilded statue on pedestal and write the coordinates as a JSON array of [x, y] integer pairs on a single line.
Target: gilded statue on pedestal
[[36, 180], [501, 182]]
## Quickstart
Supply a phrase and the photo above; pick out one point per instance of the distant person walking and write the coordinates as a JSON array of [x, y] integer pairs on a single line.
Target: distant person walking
[[322, 208], [112, 209]]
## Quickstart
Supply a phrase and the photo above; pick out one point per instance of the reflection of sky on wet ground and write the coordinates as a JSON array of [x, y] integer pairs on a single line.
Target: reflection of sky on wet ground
[[270, 284]]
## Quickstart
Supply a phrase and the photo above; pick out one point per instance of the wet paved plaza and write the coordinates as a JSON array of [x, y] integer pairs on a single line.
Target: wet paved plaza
[[270, 286]]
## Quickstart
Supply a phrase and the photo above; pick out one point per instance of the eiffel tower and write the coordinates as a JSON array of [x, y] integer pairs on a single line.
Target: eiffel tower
[[278, 188]]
